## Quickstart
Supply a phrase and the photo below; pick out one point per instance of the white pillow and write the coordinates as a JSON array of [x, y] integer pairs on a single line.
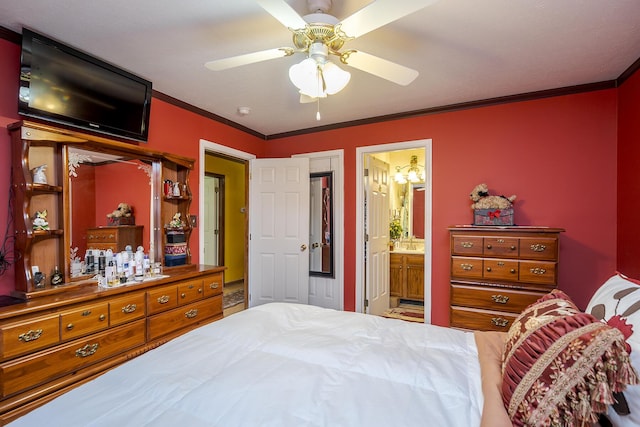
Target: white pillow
[[619, 299]]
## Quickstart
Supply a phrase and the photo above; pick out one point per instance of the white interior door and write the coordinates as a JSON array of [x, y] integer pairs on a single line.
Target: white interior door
[[210, 223], [377, 229], [279, 231]]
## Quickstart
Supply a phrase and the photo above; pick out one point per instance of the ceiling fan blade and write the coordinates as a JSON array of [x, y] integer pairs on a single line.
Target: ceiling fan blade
[[381, 67], [284, 13], [379, 13], [248, 58]]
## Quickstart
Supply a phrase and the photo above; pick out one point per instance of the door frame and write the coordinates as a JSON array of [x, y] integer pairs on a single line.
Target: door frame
[[425, 144], [219, 149]]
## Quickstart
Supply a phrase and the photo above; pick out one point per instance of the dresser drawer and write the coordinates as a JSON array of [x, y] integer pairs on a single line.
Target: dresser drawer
[[162, 299], [481, 320], [182, 317], [34, 334], [539, 248], [500, 269], [84, 320], [463, 267], [538, 272], [190, 291], [501, 247], [496, 299], [126, 308], [96, 235], [30, 371], [213, 285], [466, 245]]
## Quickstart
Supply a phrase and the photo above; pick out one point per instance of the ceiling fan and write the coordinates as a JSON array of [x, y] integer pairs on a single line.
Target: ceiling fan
[[319, 35]]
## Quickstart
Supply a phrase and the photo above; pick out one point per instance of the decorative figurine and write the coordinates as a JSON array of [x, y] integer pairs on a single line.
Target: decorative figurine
[[176, 222], [176, 189], [38, 174], [40, 221]]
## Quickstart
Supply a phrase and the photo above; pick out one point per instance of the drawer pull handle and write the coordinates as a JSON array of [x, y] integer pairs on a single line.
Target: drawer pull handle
[[500, 299], [70, 326], [87, 350], [30, 336], [489, 246], [513, 271], [86, 313], [499, 322], [130, 308], [513, 248], [466, 244], [538, 247], [466, 267], [538, 270], [489, 269], [102, 317], [163, 299], [199, 290], [183, 295], [213, 285], [191, 313]]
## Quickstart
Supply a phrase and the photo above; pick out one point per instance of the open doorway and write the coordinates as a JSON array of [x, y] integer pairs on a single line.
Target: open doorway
[[390, 153], [229, 168]]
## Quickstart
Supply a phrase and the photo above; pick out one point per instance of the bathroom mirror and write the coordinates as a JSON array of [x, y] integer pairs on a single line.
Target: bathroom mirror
[[417, 210], [99, 181], [409, 208], [321, 225]]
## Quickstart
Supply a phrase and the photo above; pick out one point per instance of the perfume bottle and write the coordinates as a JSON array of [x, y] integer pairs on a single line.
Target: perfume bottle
[[56, 277]]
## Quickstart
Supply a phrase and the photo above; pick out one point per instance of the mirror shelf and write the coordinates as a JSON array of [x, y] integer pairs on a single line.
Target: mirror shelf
[[69, 185]]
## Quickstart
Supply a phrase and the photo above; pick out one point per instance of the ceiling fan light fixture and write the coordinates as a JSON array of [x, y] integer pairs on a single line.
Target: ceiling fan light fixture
[[335, 78], [318, 79]]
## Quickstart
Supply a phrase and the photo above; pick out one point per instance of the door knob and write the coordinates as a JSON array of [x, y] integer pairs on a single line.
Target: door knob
[[303, 248]]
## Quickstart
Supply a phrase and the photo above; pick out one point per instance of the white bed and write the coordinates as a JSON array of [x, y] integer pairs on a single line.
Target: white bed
[[286, 365]]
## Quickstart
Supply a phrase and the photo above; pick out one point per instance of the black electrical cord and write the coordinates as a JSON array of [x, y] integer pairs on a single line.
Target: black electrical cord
[[7, 251]]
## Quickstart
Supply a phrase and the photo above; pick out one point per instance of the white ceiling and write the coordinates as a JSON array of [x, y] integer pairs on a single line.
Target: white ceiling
[[465, 50]]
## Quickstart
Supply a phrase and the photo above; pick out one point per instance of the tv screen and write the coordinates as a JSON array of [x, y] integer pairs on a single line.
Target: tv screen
[[61, 84]]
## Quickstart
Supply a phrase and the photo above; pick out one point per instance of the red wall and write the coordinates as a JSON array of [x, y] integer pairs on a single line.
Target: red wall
[[628, 178], [557, 154]]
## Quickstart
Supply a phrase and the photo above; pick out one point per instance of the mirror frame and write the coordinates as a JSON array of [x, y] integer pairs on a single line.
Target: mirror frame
[[330, 213]]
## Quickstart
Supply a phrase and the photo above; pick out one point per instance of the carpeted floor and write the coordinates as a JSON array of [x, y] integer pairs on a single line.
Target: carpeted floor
[[234, 298], [405, 313]]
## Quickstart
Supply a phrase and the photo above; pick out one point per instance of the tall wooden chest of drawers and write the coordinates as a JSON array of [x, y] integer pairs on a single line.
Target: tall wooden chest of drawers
[[115, 238], [497, 271]]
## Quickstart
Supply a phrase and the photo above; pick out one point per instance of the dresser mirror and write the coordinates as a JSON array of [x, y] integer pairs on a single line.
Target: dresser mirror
[[100, 184], [321, 225]]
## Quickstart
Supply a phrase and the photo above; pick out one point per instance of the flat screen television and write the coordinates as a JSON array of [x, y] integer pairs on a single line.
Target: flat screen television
[[61, 84]]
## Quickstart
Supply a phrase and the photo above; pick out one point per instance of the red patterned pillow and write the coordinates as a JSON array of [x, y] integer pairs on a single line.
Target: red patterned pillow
[[560, 366]]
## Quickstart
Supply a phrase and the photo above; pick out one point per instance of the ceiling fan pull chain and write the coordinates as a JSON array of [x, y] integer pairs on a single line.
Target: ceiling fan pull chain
[[318, 113]]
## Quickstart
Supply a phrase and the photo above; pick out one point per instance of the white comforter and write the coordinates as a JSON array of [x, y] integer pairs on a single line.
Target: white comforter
[[286, 365]]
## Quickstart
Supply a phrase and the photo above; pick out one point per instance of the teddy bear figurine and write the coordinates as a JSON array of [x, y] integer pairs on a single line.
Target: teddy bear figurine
[[482, 200], [123, 211]]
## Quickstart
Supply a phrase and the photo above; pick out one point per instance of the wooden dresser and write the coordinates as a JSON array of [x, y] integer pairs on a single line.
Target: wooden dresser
[[115, 238], [52, 343], [497, 271]]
